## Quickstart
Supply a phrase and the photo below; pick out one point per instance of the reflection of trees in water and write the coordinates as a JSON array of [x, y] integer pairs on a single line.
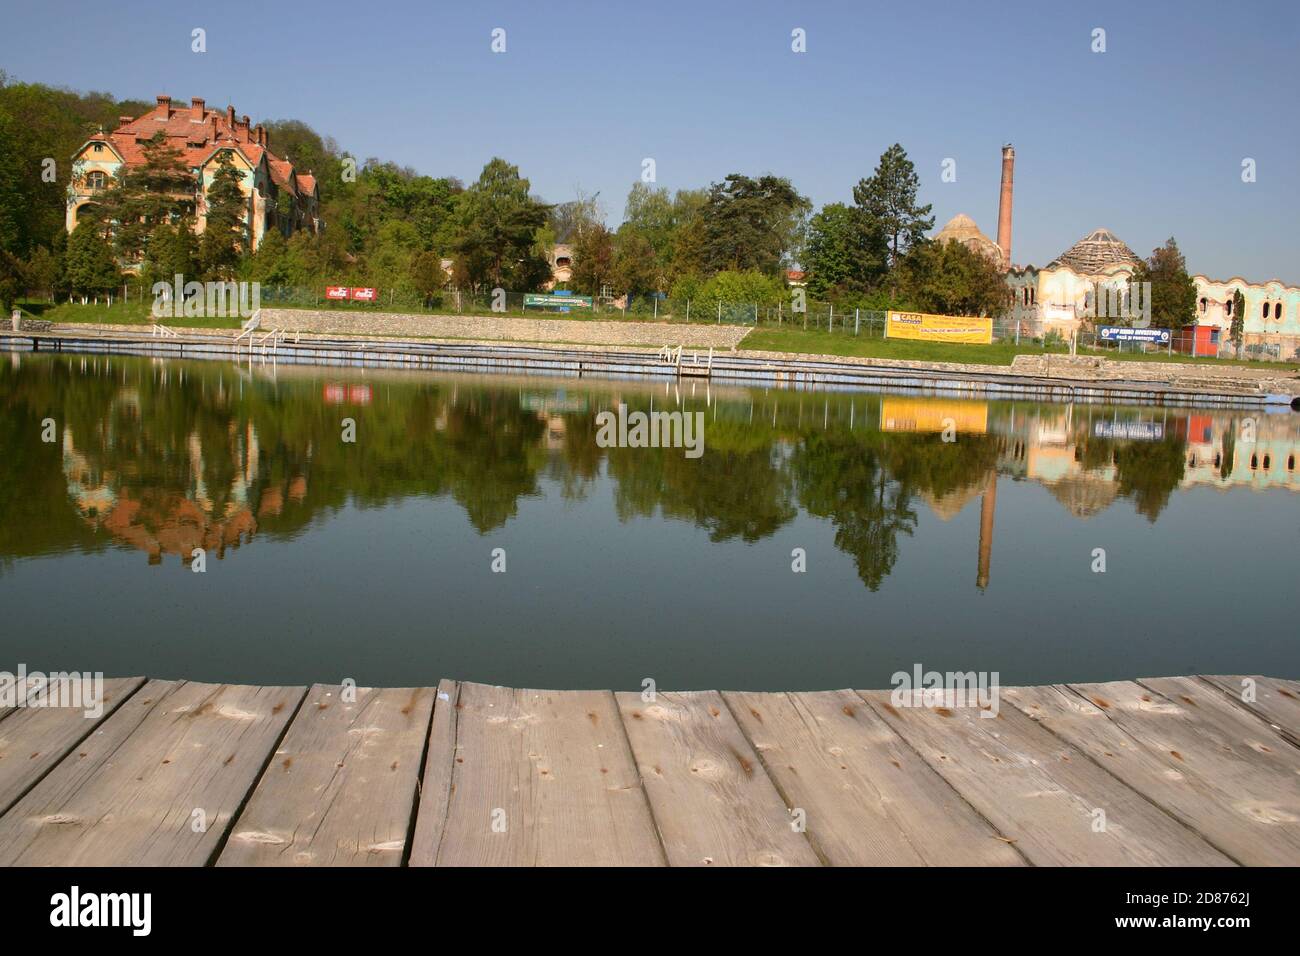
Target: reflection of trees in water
[[841, 478], [736, 489], [1146, 471], [214, 458]]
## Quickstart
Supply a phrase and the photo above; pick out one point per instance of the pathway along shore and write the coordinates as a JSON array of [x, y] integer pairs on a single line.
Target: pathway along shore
[[665, 350], [1165, 772]]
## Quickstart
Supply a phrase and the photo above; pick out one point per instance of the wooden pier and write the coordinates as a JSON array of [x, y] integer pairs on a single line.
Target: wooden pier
[[1163, 771]]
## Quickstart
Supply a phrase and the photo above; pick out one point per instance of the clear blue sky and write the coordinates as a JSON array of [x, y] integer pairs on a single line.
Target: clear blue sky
[[1146, 139]]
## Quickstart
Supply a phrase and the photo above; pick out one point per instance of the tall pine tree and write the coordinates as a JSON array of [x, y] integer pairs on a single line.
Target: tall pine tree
[[888, 202], [225, 235], [89, 267], [160, 191]]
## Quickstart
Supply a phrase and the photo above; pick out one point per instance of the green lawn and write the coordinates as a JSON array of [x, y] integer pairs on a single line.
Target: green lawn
[[766, 338], [830, 343], [999, 353]]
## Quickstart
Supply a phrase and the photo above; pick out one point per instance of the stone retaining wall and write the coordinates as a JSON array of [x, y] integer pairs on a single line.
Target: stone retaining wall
[[504, 328]]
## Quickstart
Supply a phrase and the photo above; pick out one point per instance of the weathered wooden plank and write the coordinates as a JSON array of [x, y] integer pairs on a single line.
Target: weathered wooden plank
[[542, 778], [869, 800], [1154, 746], [1277, 702], [435, 788], [1058, 805], [158, 782], [36, 738], [712, 801], [342, 784]]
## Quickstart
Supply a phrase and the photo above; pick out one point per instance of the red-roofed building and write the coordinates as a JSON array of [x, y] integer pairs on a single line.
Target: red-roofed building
[[279, 197]]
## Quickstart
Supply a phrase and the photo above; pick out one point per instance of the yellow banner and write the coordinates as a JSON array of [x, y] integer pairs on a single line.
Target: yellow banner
[[939, 328], [933, 415]]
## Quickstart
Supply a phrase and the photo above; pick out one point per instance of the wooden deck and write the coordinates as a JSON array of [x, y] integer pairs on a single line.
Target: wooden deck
[[1166, 771]]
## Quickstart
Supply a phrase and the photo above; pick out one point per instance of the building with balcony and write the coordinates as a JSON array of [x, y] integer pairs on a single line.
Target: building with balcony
[[279, 195]]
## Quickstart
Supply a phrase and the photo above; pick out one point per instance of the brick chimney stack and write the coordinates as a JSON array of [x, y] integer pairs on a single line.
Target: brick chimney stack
[[1004, 204], [259, 134], [166, 103], [196, 109], [123, 120], [230, 117]]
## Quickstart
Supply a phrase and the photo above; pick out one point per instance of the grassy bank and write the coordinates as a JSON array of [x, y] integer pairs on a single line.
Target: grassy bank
[[763, 338], [803, 342], [825, 343]]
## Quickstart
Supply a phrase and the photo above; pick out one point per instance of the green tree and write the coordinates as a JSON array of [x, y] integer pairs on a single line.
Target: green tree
[[11, 281], [1237, 331], [636, 270], [90, 267], [173, 251], [752, 223], [41, 271], [160, 191], [747, 287], [497, 221], [269, 265], [1173, 291], [593, 259], [888, 201], [427, 275], [225, 232], [843, 253], [949, 279], [40, 128]]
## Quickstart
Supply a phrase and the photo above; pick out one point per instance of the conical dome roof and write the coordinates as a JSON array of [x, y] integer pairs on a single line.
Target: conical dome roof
[[1099, 251], [961, 228]]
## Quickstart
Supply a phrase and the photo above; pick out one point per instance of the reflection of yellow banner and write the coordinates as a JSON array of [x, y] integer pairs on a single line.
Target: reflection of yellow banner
[[940, 328], [933, 415]]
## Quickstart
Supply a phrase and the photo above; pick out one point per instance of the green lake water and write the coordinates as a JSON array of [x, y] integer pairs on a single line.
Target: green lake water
[[372, 559]]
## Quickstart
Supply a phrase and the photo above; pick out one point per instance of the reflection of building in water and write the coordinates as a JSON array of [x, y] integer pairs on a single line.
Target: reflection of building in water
[[1223, 451], [1075, 453], [159, 519]]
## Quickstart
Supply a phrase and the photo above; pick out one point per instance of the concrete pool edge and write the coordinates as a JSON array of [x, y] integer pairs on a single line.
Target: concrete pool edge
[[1035, 378]]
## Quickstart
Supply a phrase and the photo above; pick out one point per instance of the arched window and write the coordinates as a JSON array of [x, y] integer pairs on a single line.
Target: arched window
[[1266, 310], [1204, 303], [1228, 307], [1268, 462], [1254, 462]]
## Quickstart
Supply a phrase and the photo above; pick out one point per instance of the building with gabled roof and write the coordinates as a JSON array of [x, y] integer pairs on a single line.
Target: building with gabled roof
[[279, 196]]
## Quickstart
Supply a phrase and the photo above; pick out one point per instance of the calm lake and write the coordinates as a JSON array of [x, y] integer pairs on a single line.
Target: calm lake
[[373, 559]]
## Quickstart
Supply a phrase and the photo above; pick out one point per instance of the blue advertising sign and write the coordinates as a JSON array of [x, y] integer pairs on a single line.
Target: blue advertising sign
[[1122, 333], [1134, 431]]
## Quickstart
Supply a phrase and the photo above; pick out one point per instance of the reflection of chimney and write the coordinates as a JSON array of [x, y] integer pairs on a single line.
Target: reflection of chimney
[[1004, 204], [988, 508]]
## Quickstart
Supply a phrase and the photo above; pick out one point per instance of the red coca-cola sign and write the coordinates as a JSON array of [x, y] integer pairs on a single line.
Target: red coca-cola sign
[[336, 292], [365, 295]]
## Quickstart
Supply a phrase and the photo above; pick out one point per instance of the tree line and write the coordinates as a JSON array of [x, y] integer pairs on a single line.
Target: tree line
[[390, 226]]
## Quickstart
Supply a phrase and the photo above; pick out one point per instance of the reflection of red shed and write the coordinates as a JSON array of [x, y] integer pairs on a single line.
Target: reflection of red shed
[[1200, 429], [1197, 340]]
